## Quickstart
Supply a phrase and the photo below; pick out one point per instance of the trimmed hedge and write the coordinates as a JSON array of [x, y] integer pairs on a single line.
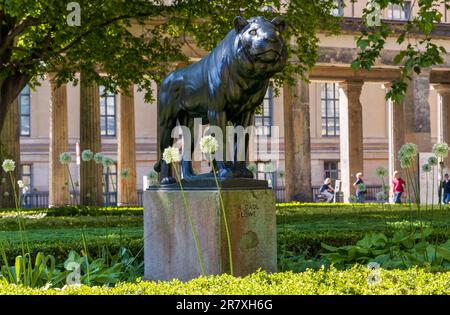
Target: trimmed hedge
[[78, 211], [352, 281]]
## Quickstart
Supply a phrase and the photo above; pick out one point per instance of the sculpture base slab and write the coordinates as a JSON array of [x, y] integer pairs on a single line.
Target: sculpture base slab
[[169, 247], [209, 183]]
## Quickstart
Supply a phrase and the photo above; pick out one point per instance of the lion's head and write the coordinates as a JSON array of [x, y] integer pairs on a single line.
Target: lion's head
[[260, 46]]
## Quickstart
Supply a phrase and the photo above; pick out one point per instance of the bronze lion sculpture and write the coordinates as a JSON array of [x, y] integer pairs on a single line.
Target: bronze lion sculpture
[[226, 86]]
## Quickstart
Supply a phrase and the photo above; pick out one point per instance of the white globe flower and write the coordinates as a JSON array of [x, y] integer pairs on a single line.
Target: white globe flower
[[9, 166], [107, 161], [65, 158], [87, 155], [98, 158], [209, 145], [171, 155]]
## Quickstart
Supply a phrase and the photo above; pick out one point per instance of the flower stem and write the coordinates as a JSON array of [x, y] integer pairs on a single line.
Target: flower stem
[[188, 212], [71, 182], [227, 228]]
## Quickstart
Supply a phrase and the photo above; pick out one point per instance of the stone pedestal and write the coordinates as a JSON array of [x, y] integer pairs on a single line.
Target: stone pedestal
[[169, 247]]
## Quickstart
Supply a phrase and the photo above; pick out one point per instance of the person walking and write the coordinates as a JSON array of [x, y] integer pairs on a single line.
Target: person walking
[[398, 187], [327, 190], [445, 189], [360, 187]]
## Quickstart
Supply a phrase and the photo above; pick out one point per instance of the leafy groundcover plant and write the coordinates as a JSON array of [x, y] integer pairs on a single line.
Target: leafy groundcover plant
[[323, 281]]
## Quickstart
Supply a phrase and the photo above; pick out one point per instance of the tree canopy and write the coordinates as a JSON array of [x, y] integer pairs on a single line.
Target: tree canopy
[[35, 38], [416, 35], [119, 42]]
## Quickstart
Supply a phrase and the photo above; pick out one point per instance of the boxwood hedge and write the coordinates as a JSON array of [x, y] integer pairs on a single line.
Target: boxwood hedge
[[352, 281]]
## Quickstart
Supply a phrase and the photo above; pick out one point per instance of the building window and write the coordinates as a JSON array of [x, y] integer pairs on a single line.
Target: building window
[[24, 112], [399, 12], [107, 113], [330, 109], [110, 182], [26, 174], [263, 119], [338, 9], [331, 169]]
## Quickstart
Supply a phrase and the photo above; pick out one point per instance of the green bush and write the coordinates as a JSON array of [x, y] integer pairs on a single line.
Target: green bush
[[78, 211], [331, 281]]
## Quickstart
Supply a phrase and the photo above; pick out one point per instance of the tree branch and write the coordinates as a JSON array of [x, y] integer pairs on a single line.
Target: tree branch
[[19, 28]]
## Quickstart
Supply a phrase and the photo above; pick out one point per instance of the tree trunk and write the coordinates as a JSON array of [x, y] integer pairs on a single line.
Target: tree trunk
[[10, 89], [10, 149]]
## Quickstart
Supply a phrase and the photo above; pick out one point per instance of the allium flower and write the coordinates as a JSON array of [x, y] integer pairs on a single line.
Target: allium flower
[[441, 150], [209, 145], [21, 184], [381, 195], [406, 162], [426, 168], [381, 171], [6, 194], [171, 155], [98, 158], [125, 173], [65, 158], [432, 161], [408, 150], [9, 166], [87, 155], [107, 162], [3, 180]]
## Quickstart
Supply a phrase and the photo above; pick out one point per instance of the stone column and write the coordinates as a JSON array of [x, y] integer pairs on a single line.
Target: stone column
[[59, 185], [443, 91], [126, 149], [417, 119], [417, 112], [297, 142], [396, 138], [91, 174], [351, 134], [9, 149]]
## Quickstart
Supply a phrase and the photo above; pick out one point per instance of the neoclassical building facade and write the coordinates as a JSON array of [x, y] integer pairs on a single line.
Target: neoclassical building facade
[[335, 126]]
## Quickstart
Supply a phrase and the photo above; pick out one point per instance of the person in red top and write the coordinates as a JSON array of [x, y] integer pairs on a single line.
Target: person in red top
[[398, 185]]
